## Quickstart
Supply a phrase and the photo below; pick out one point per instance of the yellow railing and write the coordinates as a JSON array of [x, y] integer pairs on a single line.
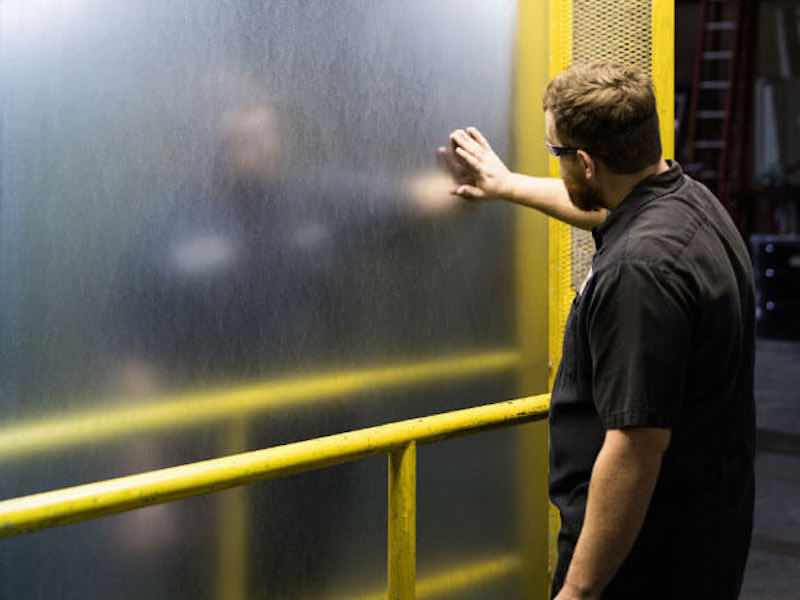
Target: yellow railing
[[399, 440], [231, 407]]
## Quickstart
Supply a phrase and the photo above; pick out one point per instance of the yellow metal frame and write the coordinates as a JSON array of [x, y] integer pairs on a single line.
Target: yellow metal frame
[[531, 293], [663, 70], [399, 440], [559, 234], [559, 272]]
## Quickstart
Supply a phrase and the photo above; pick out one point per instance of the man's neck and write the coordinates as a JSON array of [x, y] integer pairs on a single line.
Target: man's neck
[[618, 187]]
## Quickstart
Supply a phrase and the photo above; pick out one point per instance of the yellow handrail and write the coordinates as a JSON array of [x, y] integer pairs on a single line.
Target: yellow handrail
[[79, 503], [399, 440]]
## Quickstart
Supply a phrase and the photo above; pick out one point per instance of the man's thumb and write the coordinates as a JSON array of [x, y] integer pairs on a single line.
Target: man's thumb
[[470, 192]]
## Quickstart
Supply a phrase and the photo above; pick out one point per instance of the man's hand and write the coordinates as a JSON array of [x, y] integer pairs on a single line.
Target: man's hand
[[480, 175], [478, 172]]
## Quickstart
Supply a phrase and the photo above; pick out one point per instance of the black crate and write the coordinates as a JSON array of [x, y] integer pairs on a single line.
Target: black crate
[[779, 284], [776, 251], [778, 320], [776, 267]]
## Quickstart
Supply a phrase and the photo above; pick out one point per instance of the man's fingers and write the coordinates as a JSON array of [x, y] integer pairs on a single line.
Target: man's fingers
[[469, 159], [460, 138], [449, 163], [470, 192], [478, 137]]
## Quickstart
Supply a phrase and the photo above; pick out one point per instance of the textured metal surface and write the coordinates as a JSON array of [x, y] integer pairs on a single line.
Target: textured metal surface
[[581, 252], [619, 31], [532, 74], [616, 31], [633, 32]]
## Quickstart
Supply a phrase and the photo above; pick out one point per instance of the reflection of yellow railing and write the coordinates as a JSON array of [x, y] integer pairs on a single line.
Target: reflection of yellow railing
[[200, 408], [399, 440]]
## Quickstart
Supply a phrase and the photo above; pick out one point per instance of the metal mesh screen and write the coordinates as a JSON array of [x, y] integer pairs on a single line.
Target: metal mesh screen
[[617, 31]]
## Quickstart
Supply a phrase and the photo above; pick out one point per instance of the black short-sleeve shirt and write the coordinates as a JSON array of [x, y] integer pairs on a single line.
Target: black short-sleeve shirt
[[661, 334]]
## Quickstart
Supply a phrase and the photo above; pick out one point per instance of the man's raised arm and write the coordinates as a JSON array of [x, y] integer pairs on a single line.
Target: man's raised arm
[[479, 174]]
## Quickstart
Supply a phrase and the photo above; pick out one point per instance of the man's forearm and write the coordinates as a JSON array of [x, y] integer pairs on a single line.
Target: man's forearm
[[623, 479], [549, 195]]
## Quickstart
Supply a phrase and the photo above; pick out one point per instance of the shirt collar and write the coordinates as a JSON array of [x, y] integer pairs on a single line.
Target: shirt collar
[[644, 191]]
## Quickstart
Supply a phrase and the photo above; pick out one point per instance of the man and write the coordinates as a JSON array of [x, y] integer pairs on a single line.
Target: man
[[652, 416]]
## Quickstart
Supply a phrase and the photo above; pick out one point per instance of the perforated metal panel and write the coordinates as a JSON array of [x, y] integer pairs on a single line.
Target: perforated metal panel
[[581, 252], [618, 31], [583, 31], [639, 32]]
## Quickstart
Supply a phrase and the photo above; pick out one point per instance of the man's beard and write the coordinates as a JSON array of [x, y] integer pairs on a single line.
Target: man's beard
[[582, 194]]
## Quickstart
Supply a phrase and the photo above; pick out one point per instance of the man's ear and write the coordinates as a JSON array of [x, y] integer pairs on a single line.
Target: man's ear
[[588, 164]]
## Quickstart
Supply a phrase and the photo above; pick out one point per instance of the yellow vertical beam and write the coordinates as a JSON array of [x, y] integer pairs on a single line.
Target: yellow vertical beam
[[531, 295], [560, 25], [402, 520], [559, 235], [232, 547], [663, 56]]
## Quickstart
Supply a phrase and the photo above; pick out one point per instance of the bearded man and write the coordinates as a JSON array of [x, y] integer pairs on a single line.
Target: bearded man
[[652, 422]]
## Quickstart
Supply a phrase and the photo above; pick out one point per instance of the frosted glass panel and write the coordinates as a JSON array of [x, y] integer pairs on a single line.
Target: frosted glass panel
[[210, 212]]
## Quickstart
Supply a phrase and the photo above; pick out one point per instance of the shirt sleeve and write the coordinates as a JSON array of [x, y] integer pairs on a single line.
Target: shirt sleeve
[[639, 330]]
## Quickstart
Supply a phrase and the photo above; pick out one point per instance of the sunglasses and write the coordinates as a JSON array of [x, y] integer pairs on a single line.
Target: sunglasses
[[560, 150]]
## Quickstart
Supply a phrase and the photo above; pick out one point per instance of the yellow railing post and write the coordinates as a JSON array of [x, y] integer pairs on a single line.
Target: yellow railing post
[[402, 534], [232, 550]]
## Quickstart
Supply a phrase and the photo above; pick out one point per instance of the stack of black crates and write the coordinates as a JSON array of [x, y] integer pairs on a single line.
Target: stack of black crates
[[776, 265]]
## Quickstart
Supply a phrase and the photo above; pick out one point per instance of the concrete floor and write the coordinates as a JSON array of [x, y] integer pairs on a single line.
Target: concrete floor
[[773, 571]]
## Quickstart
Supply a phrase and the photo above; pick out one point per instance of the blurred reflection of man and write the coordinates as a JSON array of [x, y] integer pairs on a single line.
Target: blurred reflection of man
[[253, 253], [237, 284], [652, 416], [247, 278]]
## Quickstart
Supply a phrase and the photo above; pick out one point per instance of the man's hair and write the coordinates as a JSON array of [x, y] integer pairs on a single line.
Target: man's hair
[[608, 110]]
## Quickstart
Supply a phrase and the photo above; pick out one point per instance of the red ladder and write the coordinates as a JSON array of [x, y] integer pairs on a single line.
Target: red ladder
[[720, 110]]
